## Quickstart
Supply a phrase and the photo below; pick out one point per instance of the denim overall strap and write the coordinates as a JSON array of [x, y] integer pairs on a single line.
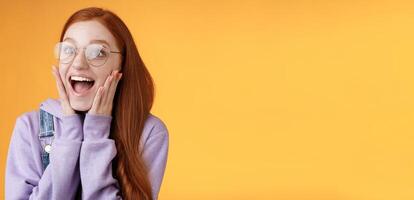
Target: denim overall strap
[[46, 133]]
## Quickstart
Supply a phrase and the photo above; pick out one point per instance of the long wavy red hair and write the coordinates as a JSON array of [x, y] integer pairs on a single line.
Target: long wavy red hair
[[132, 103]]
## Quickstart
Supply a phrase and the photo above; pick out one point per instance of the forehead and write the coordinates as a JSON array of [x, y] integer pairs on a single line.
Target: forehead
[[86, 32]]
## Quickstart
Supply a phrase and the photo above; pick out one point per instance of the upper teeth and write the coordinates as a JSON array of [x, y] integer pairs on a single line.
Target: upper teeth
[[79, 78]]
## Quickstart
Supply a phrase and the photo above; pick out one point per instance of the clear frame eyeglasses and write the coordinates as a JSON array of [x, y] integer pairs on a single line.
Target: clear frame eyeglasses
[[95, 54]]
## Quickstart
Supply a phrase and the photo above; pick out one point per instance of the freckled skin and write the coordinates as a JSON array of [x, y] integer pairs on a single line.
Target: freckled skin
[[82, 34]]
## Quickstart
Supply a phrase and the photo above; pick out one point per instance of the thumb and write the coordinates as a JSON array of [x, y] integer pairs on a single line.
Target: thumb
[[62, 92]]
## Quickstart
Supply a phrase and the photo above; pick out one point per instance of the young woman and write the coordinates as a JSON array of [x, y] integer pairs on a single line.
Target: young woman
[[99, 139]]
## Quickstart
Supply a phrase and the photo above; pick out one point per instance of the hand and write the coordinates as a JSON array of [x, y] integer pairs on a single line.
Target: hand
[[64, 100], [103, 101]]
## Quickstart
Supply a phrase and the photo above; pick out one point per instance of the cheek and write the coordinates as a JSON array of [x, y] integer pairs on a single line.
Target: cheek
[[63, 70], [114, 63], [104, 72], [101, 78]]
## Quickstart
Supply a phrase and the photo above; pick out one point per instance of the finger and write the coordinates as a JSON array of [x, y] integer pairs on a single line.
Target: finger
[[106, 87], [67, 109], [115, 75], [108, 81], [114, 86], [59, 83], [96, 100], [101, 94]]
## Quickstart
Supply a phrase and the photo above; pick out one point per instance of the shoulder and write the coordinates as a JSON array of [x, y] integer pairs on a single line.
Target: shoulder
[[28, 120], [154, 124], [154, 128], [26, 127]]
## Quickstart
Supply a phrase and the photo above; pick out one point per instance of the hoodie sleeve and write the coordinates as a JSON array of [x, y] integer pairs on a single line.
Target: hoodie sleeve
[[98, 151], [155, 155], [95, 161], [60, 180]]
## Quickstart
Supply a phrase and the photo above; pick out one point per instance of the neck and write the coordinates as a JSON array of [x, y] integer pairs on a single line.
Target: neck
[[80, 112]]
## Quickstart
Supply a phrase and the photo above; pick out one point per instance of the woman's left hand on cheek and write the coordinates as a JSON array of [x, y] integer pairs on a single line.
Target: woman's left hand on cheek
[[102, 103]]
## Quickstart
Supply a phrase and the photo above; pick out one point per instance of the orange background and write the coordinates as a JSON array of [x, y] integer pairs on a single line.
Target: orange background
[[291, 100]]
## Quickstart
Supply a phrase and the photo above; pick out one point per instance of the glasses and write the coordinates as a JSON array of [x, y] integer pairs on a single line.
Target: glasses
[[95, 54]]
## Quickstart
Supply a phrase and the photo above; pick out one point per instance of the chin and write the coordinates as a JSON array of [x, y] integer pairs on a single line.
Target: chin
[[80, 106]]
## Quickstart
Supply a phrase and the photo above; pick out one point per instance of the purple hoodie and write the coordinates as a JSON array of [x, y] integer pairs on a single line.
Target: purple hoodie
[[81, 157]]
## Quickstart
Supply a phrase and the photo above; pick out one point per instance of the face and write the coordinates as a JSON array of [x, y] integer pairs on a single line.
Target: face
[[82, 79]]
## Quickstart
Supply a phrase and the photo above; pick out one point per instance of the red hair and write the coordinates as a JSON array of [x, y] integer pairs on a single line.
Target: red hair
[[132, 103]]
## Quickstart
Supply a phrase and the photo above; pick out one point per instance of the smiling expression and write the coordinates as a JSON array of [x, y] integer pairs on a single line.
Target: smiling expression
[[80, 79]]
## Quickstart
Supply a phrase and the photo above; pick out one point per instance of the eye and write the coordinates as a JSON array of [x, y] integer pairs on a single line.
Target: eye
[[96, 51], [64, 50], [102, 53], [67, 50]]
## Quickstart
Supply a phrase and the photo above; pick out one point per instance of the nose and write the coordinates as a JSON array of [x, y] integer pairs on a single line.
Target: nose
[[79, 61]]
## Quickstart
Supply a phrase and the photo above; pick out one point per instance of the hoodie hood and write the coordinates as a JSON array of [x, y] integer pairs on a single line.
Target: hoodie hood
[[52, 106]]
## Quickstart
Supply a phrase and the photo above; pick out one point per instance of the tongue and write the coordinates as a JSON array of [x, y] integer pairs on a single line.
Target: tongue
[[81, 86]]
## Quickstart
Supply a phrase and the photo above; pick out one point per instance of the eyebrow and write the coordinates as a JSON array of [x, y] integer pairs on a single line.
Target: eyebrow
[[92, 41]]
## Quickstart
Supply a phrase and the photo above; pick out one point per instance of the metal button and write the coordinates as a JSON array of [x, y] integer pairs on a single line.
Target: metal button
[[48, 148]]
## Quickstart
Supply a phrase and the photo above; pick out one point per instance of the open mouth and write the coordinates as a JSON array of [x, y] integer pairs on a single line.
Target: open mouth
[[81, 85]]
